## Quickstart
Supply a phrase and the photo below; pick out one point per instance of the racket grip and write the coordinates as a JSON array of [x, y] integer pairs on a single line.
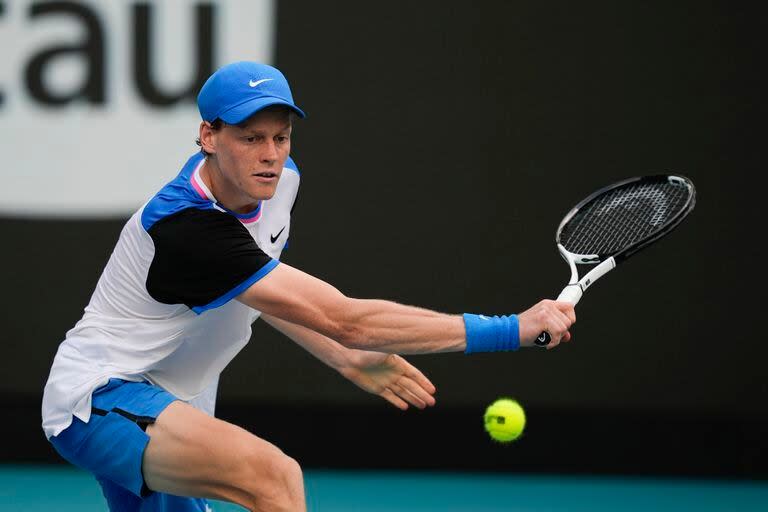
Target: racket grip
[[543, 339], [571, 293]]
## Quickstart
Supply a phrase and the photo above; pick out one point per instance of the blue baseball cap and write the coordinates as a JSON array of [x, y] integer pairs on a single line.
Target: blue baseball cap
[[238, 90]]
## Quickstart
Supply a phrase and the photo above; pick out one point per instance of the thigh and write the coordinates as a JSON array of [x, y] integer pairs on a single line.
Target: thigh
[[193, 454], [112, 442]]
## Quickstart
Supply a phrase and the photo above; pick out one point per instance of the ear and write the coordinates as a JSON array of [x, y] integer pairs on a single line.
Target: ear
[[207, 138]]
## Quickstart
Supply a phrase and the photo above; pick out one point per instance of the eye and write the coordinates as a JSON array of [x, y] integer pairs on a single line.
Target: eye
[[250, 139], [281, 139]]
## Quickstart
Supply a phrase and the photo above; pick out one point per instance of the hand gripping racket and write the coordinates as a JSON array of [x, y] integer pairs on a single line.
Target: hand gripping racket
[[614, 223]]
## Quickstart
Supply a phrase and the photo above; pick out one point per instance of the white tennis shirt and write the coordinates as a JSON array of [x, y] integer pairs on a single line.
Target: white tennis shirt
[[163, 309]]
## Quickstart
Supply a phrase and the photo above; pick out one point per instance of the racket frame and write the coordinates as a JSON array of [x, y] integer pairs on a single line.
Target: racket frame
[[576, 287]]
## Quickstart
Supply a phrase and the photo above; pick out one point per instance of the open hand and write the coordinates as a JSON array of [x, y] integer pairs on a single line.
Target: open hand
[[391, 377]]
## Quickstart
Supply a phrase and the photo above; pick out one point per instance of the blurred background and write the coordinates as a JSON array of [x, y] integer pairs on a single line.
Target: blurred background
[[443, 144]]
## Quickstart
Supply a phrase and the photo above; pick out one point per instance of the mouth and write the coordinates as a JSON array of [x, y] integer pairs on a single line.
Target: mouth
[[265, 176]]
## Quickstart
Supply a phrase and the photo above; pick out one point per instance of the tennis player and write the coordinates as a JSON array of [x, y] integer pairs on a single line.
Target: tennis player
[[131, 393]]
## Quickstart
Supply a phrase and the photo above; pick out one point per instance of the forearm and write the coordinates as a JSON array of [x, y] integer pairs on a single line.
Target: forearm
[[376, 325], [322, 347], [297, 297], [386, 326]]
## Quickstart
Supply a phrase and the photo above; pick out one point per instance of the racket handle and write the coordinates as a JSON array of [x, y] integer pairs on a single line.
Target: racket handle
[[571, 293], [543, 339]]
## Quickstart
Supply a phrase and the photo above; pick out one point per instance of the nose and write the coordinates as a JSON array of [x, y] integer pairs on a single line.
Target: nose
[[269, 152]]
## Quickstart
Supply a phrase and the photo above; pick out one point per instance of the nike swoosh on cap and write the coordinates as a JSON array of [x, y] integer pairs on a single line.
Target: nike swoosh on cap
[[254, 83]]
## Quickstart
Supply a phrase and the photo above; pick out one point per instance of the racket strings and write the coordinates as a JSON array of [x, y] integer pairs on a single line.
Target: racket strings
[[623, 216]]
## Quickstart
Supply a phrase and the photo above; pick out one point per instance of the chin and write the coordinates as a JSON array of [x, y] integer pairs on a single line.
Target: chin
[[263, 193]]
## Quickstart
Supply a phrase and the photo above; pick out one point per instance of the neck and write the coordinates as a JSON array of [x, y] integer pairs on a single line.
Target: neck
[[224, 192]]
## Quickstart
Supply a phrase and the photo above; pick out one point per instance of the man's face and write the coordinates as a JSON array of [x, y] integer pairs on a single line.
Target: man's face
[[251, 156]]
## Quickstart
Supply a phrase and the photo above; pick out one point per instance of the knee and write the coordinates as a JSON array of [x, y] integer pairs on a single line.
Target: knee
[[273, 481], [287, 473]]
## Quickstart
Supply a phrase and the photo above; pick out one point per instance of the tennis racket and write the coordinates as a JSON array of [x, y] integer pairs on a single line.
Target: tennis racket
[[616, 222]]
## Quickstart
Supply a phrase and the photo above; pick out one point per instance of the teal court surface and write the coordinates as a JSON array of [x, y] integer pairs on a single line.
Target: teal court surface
[[65, 489]]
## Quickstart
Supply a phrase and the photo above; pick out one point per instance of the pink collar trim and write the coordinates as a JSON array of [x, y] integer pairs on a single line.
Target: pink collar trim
[[203, 191]]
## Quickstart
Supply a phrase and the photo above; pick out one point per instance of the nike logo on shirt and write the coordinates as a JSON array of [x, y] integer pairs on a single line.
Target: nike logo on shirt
[[273, 238]]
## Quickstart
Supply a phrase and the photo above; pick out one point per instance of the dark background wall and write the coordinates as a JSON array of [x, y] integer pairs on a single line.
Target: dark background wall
[[444, 143]]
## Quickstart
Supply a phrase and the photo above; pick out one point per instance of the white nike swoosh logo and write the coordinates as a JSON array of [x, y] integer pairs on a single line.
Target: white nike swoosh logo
[[254, 83]]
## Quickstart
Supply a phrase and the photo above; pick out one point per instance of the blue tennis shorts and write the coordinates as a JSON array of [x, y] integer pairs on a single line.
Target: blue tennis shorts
[[111, 446]]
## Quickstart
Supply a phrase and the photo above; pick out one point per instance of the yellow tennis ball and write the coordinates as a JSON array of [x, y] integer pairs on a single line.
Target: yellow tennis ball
[[504, 420]]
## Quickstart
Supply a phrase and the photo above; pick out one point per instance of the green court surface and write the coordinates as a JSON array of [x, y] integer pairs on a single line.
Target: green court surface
[[64, 489]]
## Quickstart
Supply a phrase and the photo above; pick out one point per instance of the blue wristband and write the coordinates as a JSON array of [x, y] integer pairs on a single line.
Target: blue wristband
[[491, 333]]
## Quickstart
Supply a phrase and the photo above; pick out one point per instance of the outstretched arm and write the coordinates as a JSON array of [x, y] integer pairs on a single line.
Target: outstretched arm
[[387, 375], [292, 295]]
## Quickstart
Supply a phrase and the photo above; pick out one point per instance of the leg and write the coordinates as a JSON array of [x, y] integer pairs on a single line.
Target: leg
[[193, 454], [120, 499]]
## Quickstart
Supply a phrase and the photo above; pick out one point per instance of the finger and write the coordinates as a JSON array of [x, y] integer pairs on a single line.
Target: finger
[[565, 319], [415, 374], [558, 310], [556, 329], [552, 344], [415, 389], [410, 397], [566, 337], [406, 395], [390, 397], [567, 309]]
